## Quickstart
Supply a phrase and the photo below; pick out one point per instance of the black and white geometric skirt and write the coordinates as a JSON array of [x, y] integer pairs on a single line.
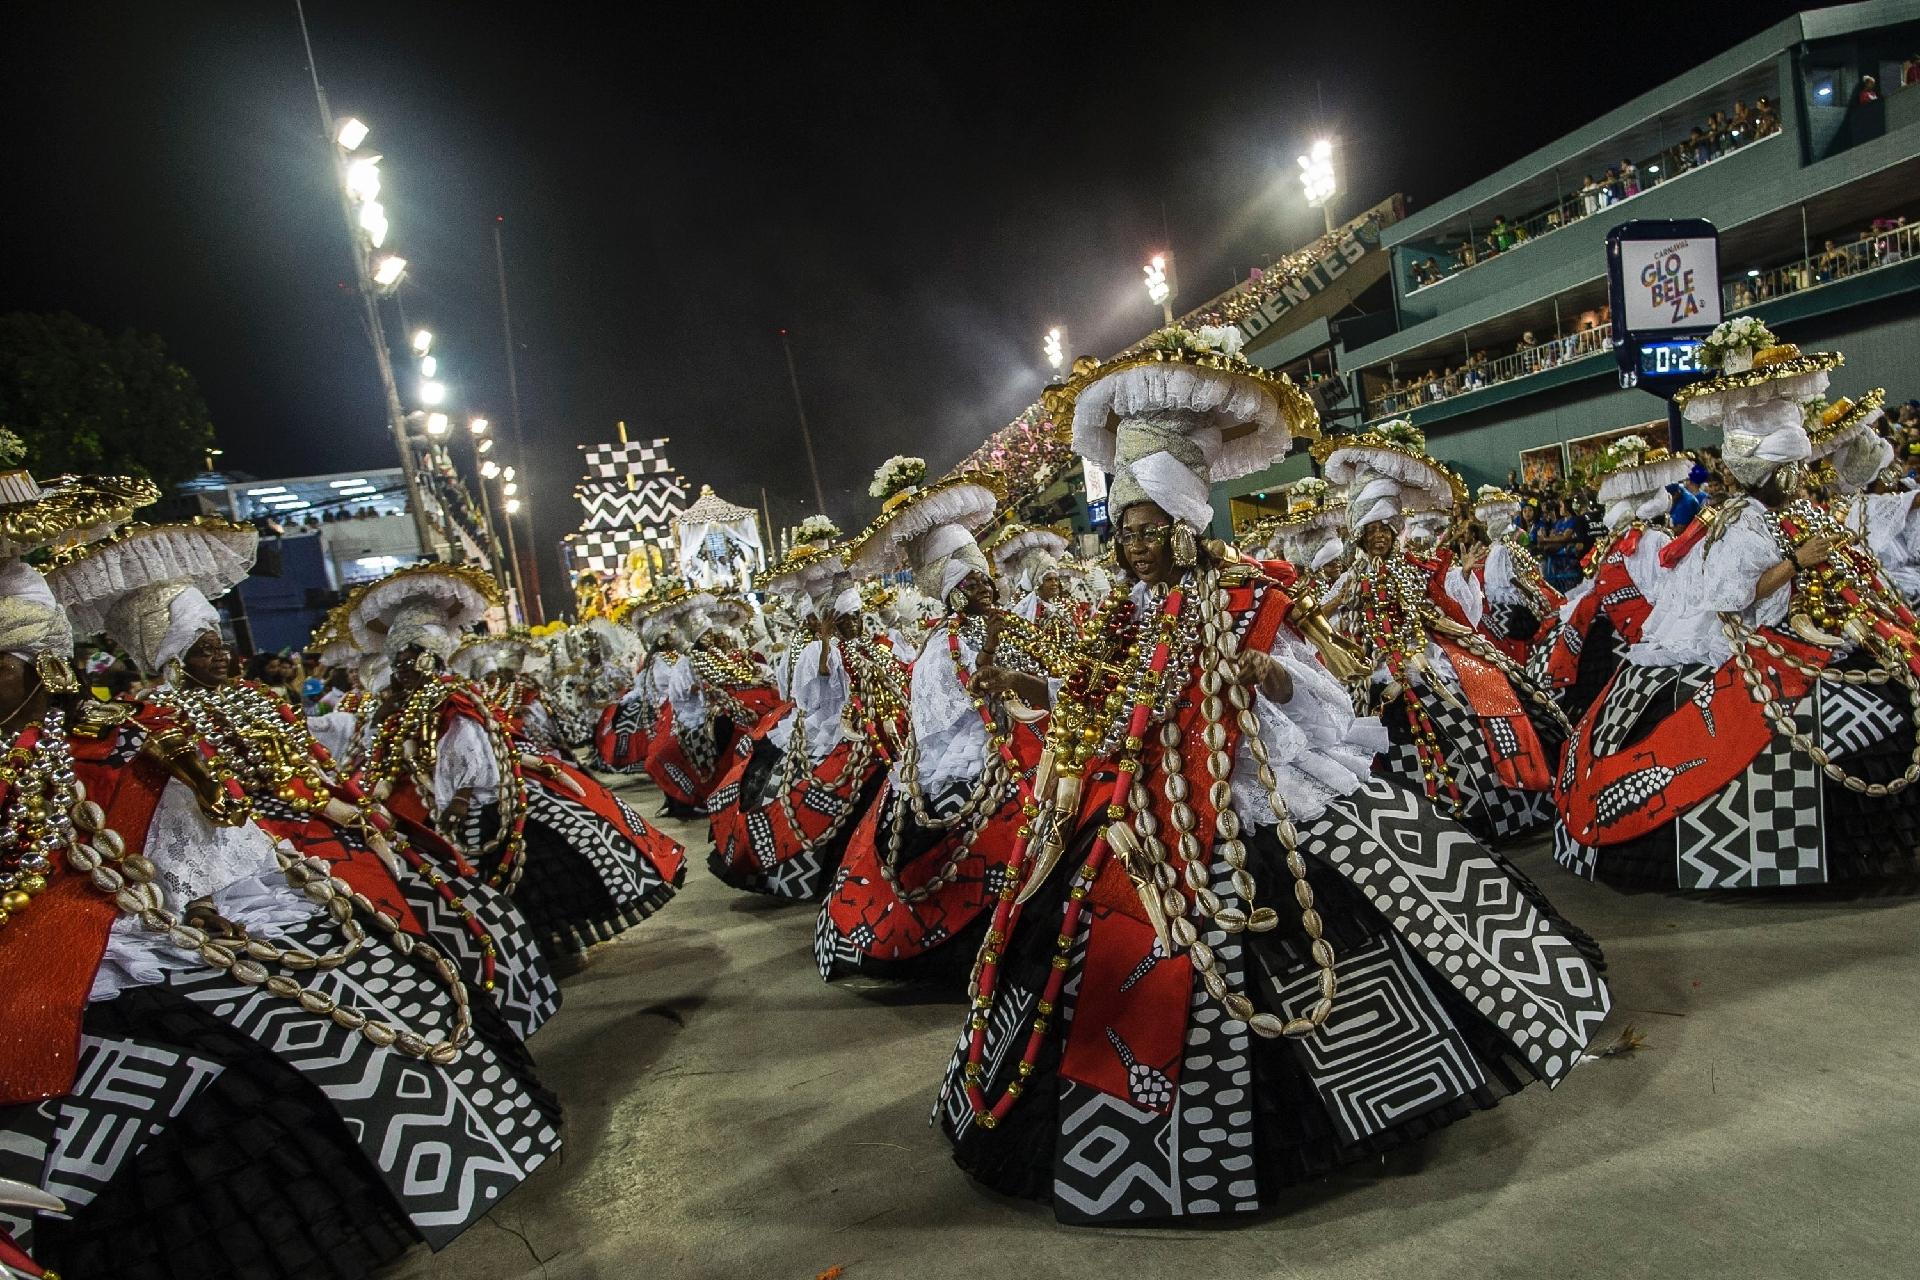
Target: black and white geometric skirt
[[1458, 985]]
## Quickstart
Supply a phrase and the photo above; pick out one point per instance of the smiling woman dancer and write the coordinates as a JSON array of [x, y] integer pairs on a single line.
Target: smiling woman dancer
[[1227, 960]]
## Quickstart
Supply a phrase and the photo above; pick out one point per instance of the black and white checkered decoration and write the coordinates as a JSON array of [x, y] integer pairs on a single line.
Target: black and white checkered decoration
[[618, 461], [621, 519]]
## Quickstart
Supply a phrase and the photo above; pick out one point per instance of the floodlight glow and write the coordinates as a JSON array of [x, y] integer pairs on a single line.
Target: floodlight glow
[[373, 221], [436, 424], [509, 488], [387, 271], [507, 472], [261, 493], [344, 484], [351, 133], [1055, 347], [422, 342], [513, 506], [478, 426], [363, 178], [432, 392], [484, 445], [489, 469], [429, 365], [1158, 289], [1316, 172]]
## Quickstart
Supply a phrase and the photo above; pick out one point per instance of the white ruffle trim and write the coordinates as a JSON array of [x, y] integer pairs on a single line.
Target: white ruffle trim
[[884, 551], [455, 602], [1318, 749], [1629, 484], [210, 559], [138, 957], [1253, 428], [1717, 577]]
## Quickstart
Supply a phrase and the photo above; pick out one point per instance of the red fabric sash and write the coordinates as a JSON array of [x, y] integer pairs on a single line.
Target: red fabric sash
[[1491, 696], [50, 952], [1686, 540], [1121, 1000], [1690, 755], [1615, 594], [1150, 1017], [614, 749], [665, 853]]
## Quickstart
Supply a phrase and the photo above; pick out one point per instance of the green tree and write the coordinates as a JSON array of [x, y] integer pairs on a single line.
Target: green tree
[[84, 401]]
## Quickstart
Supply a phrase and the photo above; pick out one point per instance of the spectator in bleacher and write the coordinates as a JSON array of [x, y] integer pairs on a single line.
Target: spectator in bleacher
[[1830, 265], [1629, 178], [1463, 253], [1699, 147], [1689, 496], [1869, 91]]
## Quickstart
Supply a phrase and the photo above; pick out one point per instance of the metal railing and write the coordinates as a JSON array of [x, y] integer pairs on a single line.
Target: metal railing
[[1876, 250], [1490, 372], [1623, 183], [1882, 248]]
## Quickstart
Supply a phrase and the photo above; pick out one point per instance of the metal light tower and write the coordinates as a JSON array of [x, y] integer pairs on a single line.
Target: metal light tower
[[358, 180], [1318, 180]]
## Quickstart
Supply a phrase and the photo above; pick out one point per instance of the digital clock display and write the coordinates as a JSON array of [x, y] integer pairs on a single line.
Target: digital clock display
[[1670, 359]]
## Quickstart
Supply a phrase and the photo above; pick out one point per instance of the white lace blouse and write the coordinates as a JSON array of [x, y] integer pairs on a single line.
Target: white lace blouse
[[234, 866], [1891, 526], [1318, 748], [818, 699], [1720, 575]]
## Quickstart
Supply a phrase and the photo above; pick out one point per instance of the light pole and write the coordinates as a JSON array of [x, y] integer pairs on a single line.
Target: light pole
[[1318, 179], [366, 231], [1160, 284], [806, 436], [529, 606]]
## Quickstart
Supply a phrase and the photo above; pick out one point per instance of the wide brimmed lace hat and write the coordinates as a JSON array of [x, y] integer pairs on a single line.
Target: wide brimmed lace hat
[[1845, 434], [150, 586], [926, 527], [423, 605], [1387, 471], [64, 510], [1752, 367], [1181, 413]]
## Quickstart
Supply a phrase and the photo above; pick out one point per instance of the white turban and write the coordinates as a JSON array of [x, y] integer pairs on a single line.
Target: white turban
[[422, 623], [1761, 438], [1376, 499], [942, 558], [1166, 466], [1639, 507], [1332, 549], [1858, 461], [847, 603], [157, 623], [31, 620]]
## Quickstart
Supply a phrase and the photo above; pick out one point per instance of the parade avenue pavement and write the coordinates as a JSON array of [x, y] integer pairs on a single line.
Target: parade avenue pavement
[[729, 1115]]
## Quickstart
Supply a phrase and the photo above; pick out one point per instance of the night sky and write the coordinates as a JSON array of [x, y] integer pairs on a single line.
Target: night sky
[[916, 192]]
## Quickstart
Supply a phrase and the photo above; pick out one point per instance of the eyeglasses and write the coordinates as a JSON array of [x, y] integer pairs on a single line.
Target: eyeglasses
[[1144, 535]]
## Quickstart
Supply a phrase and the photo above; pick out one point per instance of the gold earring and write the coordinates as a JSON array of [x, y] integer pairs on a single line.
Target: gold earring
[[55, 673], [1186, 551]]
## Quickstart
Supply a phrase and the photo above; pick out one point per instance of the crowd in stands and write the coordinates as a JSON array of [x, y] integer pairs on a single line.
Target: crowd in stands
[[314, 520], [1530, 354], [1719, 135], [1885, 242]]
